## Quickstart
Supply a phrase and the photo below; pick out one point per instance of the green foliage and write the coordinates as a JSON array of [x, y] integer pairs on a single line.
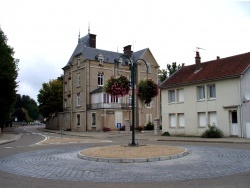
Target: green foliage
[[212, 132], [29, 105], [163, 74], [147, 90], [50, 97], [8, 75], [117, 86], [165, 134], [149, 126], [21, 114]]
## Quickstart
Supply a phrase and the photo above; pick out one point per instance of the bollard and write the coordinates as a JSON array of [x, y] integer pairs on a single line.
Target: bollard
[[156, 126], [61, 133], [127, 125]]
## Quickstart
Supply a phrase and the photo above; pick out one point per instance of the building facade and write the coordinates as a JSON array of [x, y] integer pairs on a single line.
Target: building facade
[[210, 93], [86, 106]]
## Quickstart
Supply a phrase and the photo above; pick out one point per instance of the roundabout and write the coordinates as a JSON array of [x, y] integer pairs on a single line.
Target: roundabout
[[132, 154], [62, 163]]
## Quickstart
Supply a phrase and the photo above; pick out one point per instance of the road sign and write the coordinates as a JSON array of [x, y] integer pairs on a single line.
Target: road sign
[[119, 125]]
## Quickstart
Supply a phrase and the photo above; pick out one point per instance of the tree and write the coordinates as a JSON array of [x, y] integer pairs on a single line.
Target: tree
[[8, 76], [163, 74], [21, 114], [50, 97], [29, 105]]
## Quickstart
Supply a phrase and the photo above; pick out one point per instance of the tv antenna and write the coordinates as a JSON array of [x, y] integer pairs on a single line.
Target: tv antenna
[[198, 48], [133, 44]]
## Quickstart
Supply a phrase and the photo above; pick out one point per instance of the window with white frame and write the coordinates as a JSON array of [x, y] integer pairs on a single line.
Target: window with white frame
[[202, 119], [171, 96], [78, 119], [105, 98], [93, 119], [78, 80], [212, 118], [180, 95], [78, 99], [100, 58], [101, 61], [211, 91], [78, 61], [100, 79], [172, 120], [148, 67], [181, 120], [114, 99], [201, 92], [149, 105], [130, 100], [149, 118], [120, 64]]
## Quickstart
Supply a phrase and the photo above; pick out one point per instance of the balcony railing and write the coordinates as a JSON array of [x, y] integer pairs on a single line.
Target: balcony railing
[[108, 105]]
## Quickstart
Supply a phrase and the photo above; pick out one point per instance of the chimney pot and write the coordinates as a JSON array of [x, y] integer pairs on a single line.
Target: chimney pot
[[198, 61], [218, 57], [127, 50], [92, 40]]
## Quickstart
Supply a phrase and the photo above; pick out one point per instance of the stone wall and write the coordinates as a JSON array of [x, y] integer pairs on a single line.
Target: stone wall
[[60, 121]]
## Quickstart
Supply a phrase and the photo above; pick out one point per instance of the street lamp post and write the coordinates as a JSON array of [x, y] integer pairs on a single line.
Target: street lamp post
[[133, 68]]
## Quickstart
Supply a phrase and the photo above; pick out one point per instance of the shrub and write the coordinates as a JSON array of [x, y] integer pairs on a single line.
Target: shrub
[[166, 134], [149, 126], [212, 132], [139, 128], [106, 129]]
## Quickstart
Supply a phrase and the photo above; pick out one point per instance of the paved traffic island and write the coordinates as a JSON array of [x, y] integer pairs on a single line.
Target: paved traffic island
[[132, 154]]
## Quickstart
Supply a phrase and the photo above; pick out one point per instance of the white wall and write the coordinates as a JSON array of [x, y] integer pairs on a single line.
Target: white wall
[[226, 95], [245, 88]]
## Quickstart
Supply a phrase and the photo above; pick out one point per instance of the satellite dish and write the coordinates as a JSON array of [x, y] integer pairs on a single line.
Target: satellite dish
[[247, 96]]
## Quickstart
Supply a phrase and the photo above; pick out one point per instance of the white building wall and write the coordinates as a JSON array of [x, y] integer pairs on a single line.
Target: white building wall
[[226, 95], [245, 93]]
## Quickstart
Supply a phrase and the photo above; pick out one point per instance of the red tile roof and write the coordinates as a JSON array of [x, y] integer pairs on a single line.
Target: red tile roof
[[229, 67]]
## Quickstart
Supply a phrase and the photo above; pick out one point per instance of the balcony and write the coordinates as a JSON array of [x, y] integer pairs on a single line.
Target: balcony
[[109, 105]]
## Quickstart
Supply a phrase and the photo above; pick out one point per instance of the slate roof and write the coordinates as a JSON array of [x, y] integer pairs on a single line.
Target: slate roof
[[224, 68], [89, 53], [97, 90]]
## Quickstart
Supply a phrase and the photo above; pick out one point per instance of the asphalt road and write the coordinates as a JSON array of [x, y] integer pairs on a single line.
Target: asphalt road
[[24, 163]]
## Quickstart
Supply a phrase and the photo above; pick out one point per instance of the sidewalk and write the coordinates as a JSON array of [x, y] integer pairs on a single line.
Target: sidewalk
[[9, 136], [149, 135]]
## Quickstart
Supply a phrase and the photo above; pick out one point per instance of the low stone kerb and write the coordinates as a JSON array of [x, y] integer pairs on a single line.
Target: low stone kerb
[[134, 154]]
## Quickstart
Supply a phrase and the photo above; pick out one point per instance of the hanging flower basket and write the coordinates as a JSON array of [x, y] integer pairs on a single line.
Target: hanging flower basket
[[147, 89], [117, 86]]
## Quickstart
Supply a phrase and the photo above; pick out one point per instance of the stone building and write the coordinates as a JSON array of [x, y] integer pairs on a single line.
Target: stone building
[[86, 106]]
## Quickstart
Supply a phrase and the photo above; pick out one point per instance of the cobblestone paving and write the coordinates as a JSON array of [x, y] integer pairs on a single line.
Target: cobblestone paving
[[63, 164]]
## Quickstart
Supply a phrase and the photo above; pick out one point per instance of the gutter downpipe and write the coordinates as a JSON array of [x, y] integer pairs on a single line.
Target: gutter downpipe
[[71, 108], [240, 106]]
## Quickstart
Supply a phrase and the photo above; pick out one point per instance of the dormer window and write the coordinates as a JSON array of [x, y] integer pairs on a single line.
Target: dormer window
[[120, 63], [100, 58]]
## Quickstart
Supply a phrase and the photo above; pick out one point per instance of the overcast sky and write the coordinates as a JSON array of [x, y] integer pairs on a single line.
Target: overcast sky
[[44, 33]]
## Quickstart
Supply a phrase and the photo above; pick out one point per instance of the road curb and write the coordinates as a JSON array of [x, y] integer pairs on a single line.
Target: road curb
[[132, 160], [17, 137]]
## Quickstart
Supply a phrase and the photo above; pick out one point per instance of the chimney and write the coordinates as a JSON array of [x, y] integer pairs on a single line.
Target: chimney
[[198, 61], [218, 57], [92, 41], [127, 50]]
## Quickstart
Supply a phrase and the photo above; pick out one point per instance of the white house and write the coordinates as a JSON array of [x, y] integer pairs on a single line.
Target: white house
[[214, 92]]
